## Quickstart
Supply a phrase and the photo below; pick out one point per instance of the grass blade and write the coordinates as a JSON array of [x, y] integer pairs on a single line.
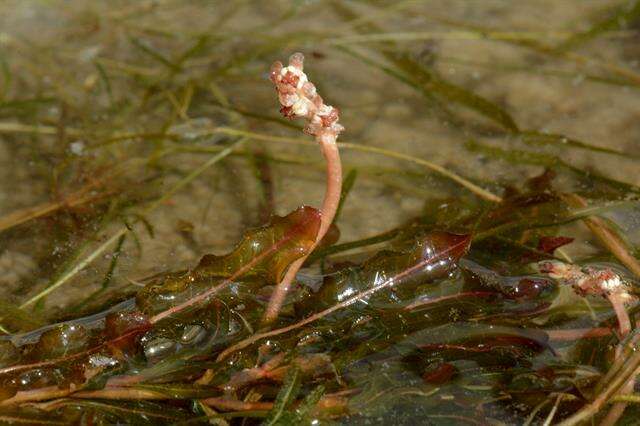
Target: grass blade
[[285, 397], [347, 186], [547, 160], [532, 137], [623, 18]]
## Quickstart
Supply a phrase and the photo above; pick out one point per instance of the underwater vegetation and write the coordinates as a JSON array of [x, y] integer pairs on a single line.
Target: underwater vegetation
[[165, 257]]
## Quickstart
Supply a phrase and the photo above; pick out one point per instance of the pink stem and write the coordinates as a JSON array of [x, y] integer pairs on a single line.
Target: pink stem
[[423, 302], [329, 207], [624, 323], [576, 334]]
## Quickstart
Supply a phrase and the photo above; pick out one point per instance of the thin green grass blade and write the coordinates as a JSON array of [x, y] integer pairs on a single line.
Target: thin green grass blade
[[5, 71], [286, 396], [551, 161], [426, 81], [16, 319], [537, 138], [347, 186], [543, 71], [429, 81], [584, 63], [104, 77], [84, 261], [621, 19], [304, 410], [155, 54]]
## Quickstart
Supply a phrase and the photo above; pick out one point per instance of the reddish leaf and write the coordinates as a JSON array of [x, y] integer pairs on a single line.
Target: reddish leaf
[[440, 374], [295, 234], [263, 255], [386, 263], [550, 244]]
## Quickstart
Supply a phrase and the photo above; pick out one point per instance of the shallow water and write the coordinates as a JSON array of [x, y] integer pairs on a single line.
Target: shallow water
[[106, 108]]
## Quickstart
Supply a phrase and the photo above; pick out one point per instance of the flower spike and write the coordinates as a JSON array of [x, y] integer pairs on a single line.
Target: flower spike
[[299, 99]]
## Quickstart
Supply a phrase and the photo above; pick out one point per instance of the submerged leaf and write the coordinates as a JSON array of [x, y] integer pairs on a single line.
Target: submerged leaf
[[285, 398], [549, 161], [550, 244], [17, 319], [531, 137], [426, 81], [625, 17]]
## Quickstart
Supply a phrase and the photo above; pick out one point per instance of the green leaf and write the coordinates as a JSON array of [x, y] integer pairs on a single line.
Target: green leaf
[[428, 81], [182, 391], [6, 75], [285, 398], [532, 137], [347, 185], [105, 79], [389, 263], [155, 54], [16, 319], [305, 409], [550, 161], [130, 412], [623, 18], [297, 230], [264, 253], [416, 75]]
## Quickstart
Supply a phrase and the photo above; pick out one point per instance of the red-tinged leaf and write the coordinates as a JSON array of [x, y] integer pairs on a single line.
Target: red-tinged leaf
[[330, 238], [61, 355], [440, 374], [550, 244], [263, 255], [121, 327], [386, 264], [296, 234], [434, 249], [433, 244], [512, 344], [542, 182], [63, 340]]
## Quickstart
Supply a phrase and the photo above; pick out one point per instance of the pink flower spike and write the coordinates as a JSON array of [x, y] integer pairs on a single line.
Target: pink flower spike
[[295, 91], [299, 99]]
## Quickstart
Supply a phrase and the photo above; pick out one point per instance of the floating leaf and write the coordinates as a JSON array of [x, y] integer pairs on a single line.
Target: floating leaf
[[386, 264], [66, 339], [264, 253], [296, 232]]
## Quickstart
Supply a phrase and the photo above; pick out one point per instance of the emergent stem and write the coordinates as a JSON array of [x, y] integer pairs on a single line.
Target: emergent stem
[[328, 212]]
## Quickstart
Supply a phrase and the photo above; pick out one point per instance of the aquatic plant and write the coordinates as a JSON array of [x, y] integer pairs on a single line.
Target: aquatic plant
[[299, 99], [487, 269]]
